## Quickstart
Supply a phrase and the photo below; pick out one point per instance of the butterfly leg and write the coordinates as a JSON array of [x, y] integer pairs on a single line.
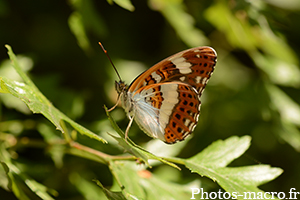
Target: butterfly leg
[[128, 127], [118, 100]]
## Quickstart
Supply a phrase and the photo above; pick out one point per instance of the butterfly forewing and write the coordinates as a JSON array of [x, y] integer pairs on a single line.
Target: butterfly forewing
[[193, 66]]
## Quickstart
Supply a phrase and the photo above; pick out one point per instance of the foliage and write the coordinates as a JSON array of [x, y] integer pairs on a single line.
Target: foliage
[[253, 95]]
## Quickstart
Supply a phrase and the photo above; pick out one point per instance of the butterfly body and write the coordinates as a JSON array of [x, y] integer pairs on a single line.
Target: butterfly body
[[165, 99]]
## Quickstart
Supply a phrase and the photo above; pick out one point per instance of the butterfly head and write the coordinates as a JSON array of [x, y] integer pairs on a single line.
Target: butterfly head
[[121, 87]]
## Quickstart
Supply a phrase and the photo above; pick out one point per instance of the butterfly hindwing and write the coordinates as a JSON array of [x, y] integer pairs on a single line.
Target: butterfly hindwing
[[185, 113], [173, 108]]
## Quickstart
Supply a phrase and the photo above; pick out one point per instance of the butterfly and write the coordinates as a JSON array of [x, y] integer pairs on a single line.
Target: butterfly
[[165, 99]]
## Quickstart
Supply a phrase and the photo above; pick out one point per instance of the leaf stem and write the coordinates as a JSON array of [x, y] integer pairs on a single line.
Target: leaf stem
[[100, 154], [175, 160]]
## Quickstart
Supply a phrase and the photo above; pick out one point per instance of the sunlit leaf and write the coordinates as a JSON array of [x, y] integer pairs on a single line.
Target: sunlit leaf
[[77, 27], [5, 181], [288, 108], [291, 134], [86, 19], [287, 4], [212, 162], [280, 72], [289, 111], [36, 101], [278, 59], [39, 189], [238, 32], [221, 153], [126, 4]]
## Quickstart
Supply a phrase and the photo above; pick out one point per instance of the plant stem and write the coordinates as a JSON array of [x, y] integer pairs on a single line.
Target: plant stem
[[100, 154]]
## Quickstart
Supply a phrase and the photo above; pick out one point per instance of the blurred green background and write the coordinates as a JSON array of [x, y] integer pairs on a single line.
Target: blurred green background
[[253, 91]]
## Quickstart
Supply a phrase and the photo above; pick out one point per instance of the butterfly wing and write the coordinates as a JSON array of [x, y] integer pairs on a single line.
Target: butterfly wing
[[168, 111], [166, 97], [193, 66]]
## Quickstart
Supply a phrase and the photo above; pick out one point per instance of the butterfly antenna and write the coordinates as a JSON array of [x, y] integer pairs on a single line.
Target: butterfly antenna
[[110, 60]]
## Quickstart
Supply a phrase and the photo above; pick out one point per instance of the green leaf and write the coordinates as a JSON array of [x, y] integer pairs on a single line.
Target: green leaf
[[5, 181], [288, 4], [37, 102], [286, 106], [221, 153], [289, 113], [142, 184], [39, 189], [126, 4], [280, 69], [77, 27], [16, 180], [212, 163], [86, 19], [238, 33], [290, 133], [277, 59], [109, 194]]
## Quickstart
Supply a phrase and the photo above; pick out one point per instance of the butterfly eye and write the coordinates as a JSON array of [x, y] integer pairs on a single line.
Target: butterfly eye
[[120, 86], [117, 86]]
